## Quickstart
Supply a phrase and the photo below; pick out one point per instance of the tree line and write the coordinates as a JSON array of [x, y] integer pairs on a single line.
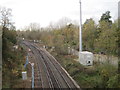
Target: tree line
[[97, 38]]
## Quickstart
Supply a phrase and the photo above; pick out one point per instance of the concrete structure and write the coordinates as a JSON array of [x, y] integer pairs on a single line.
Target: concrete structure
[[86, 58]]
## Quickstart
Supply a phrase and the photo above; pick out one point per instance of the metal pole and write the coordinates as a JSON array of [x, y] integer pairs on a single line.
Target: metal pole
[[80, 31], [32, 77], [32, 65]]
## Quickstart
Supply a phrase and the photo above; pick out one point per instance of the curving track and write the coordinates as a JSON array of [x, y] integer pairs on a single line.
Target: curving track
[[50, 73]]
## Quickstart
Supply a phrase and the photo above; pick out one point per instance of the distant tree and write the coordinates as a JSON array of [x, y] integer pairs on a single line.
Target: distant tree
[[34, 27], [63, 22]]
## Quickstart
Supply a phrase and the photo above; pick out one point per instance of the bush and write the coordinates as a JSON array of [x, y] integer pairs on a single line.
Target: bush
[[113, 82]]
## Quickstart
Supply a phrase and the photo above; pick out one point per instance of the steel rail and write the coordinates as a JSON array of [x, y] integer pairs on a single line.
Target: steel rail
[[54, 66], [52, 76], [47, 60], [57, 84], [47, 75], [59, 71], [39, 74]]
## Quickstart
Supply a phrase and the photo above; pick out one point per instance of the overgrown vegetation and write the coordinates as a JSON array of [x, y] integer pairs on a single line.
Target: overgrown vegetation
[[97, 76], [12, 57]]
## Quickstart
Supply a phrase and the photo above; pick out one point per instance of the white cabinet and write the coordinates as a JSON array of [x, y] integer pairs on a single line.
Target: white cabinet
[[86, 58]]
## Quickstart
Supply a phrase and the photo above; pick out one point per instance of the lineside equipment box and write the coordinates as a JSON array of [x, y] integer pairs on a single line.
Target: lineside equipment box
[[24, 75], [86, 58]]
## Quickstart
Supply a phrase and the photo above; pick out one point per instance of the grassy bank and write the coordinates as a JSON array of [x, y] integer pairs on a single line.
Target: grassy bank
[[97, 76]]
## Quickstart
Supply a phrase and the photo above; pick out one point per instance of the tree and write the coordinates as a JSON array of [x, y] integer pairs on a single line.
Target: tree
[[34, 27], [5, 14], [107, 40], [63, 22], [106, 17], [89, 34], [11, 59], [118, 44], [106, 33]]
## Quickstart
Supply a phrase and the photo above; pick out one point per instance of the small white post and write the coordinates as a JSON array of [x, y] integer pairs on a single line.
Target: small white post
[[24, 75]]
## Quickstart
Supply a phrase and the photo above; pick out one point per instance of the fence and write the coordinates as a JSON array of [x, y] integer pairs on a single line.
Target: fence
[[97, 57], [73, 51]]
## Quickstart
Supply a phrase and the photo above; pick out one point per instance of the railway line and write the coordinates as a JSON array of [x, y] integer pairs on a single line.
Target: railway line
[[49, 72]]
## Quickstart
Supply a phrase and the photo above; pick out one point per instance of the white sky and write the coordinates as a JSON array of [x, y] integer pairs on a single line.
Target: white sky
[[46, 11]]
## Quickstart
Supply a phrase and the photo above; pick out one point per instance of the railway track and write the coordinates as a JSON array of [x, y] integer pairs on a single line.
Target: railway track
[[50, 73], [42, 71], [53, 82], [59, 72]]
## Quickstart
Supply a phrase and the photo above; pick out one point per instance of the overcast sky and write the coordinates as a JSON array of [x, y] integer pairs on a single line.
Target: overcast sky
[[46, 11]]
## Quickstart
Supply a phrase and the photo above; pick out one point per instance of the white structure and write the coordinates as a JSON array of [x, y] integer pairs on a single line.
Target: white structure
[[29, 50], [24, 75], [44, 46], [68, 50], [86, 58], [80, 31], [15, 46]]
